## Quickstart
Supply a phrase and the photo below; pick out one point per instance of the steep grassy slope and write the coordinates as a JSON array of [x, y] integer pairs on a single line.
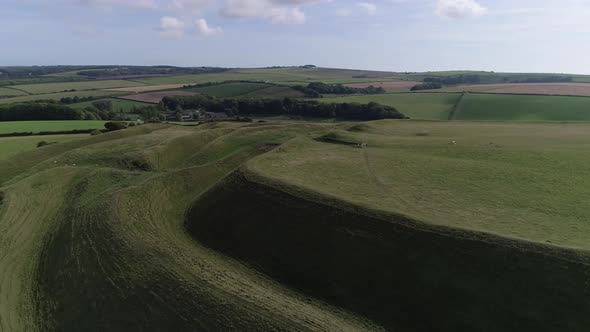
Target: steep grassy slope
[[407, 276], [109, 251], [267, 226]]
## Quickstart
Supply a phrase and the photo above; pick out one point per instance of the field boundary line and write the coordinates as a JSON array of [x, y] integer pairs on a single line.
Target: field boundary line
[[456, 107], [13, 88]]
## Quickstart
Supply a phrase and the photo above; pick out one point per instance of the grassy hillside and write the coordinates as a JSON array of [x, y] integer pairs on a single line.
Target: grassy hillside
[[523, 108], [432, 106], [10, 146], [7, 127], [163, 227]]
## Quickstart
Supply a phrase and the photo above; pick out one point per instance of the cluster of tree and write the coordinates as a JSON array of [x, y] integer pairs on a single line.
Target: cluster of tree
[[53, 110], [148, 70], [426, 86], [76, 99], [545, 79], [118, 125], [454, 80], [316, 89], [286, 106], [43, 111]]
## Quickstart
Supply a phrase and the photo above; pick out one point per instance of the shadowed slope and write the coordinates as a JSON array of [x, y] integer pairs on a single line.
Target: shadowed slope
[[404, 274]]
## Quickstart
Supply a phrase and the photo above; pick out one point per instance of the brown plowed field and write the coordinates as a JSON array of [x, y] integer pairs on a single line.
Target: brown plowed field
[[146, 88], [155, 97], [573, 89]]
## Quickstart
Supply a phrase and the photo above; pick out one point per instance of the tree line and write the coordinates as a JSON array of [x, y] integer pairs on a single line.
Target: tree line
[[545, 79], [454, 80], [426, 86], [317, 89], [286, 106], [53, 110]]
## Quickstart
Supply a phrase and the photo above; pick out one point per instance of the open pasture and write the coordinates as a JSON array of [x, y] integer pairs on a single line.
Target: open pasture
[[8, 92], [432, 106], [522, 108], [566, 89], [10, 146]]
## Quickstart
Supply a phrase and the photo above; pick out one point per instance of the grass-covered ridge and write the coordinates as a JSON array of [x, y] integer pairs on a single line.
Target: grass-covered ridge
[[165, 227]]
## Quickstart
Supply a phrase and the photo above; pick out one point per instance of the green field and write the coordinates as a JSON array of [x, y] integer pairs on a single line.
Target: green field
[[230, 89], [281, 75], [431, 106], [8, 92], [10, 146], [80, 86], [8, 127], [118, 104], [249, 90], [274, 92], [162, 227], [522, 108], [59, 95]]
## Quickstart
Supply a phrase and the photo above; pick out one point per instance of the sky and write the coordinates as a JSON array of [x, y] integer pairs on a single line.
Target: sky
[[393, 35]]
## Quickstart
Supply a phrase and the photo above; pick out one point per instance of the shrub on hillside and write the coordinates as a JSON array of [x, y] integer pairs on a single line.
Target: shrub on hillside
[[95, 132], [44, 143], [112, 126]]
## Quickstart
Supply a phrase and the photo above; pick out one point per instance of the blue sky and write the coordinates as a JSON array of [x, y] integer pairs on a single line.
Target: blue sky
[[397, 35]]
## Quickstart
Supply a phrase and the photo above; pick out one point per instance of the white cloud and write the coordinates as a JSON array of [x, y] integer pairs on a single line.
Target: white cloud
[[171, 27], [458, 9], [368, 7], [277, 11], [203, 28]]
